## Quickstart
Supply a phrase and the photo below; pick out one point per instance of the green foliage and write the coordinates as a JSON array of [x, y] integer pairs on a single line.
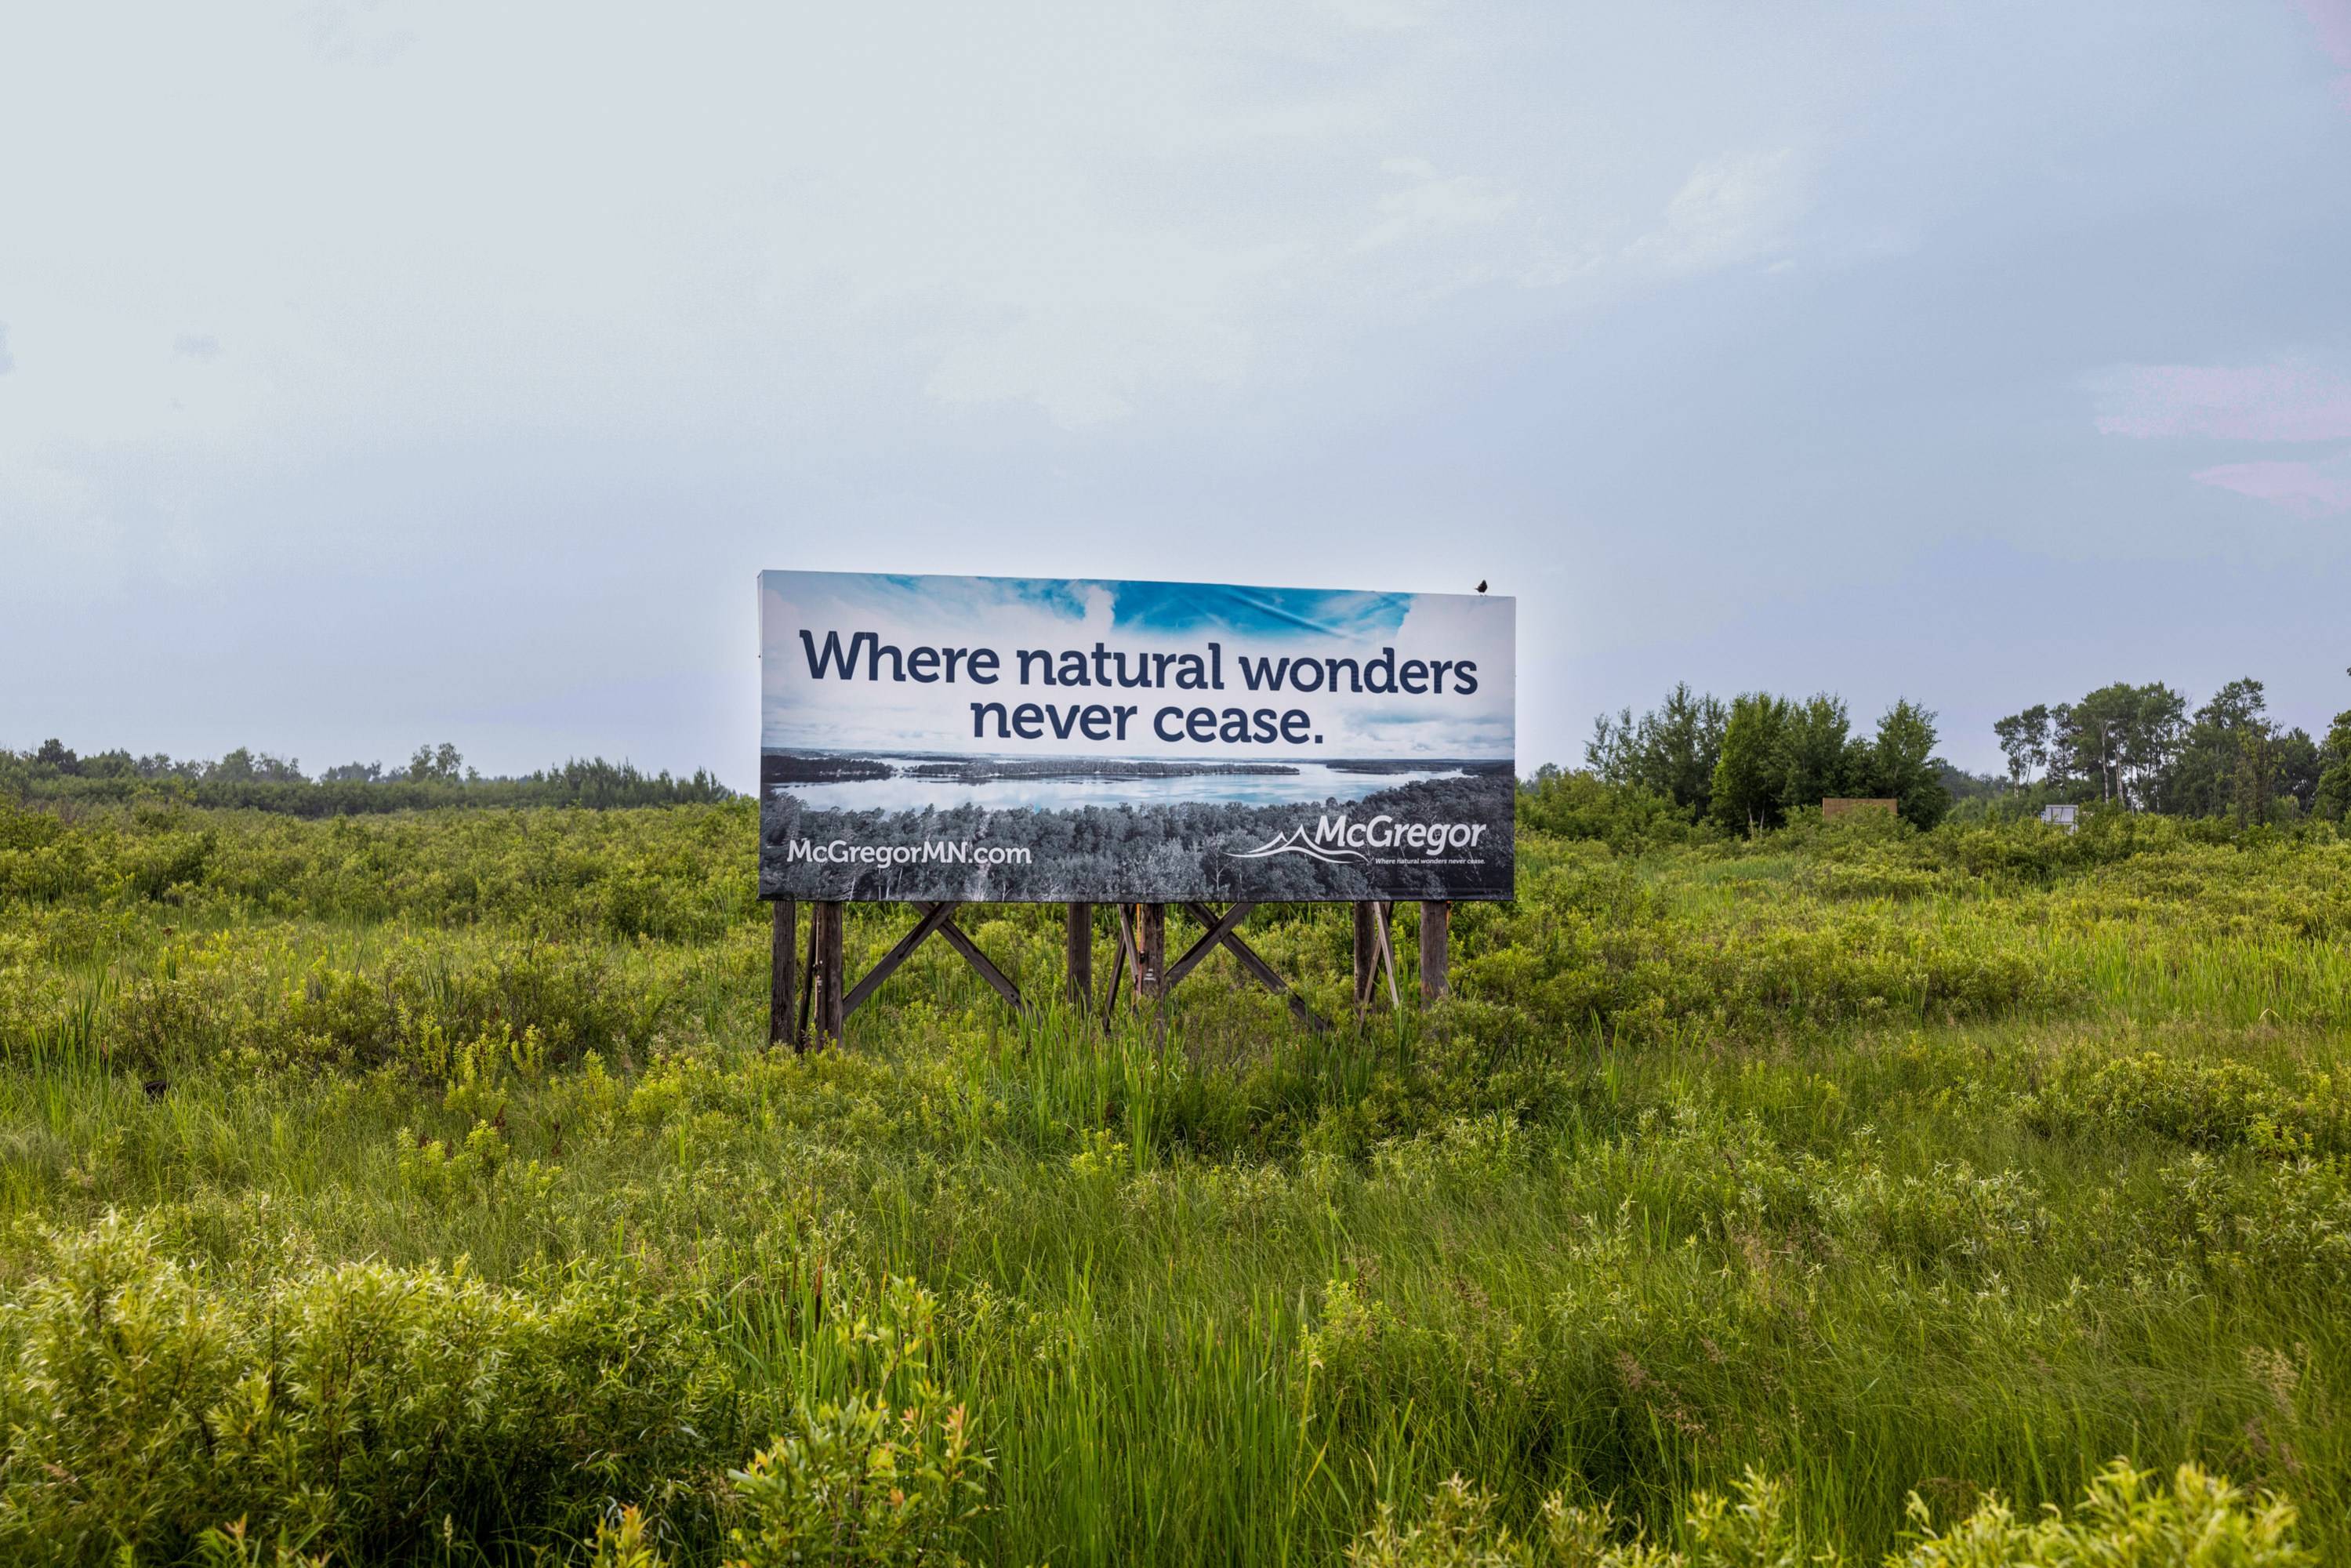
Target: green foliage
[[2331, 801], [1671, 752], [356, 1406], [2207, 1106], [2139, 746], [886, 1476], [435, 777], [1459, 1530], [1752, 769], [1767, 760], [2199, 1522], [622, 1544], [1901, 765], [1628, 817], [1870, 1159]]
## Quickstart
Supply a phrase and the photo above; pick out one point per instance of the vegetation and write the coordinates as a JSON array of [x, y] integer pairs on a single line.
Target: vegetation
[[418, 1188], [1759, 761], [1754, 763], [2140, 745], [435, 777]]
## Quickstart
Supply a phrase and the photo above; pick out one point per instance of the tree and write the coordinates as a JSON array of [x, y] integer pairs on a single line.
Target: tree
[[2025, 740], [243, 767], [435, 767], [2058, 761], [1902, 762], [2300, 766], [1745, 792], [1671, 751], [2211, 776], [2124, 737], [2152, 743], [1814, 762], [2101, 724], [2332, 799]]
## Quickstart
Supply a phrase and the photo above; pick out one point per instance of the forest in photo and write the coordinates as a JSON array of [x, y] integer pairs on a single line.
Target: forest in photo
[[1759, 760], [396, 1167]]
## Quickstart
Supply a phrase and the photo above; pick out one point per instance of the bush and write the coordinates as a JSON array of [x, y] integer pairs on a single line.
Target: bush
[[359, 1409], [886, 1475], [1625, 817], [2199, 1522]]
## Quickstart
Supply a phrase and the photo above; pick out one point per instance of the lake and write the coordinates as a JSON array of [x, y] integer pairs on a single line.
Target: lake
[[1311, 783]]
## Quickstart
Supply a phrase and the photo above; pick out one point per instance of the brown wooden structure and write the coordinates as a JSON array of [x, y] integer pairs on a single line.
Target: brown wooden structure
[[811, 998], [1839, 806]]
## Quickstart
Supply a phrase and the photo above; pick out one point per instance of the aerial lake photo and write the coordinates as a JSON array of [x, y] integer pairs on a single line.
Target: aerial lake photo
[[909, 782]]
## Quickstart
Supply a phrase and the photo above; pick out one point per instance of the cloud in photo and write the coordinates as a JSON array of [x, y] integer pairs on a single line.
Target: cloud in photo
[[2284, 400], [2304, 490], [1730, 209]]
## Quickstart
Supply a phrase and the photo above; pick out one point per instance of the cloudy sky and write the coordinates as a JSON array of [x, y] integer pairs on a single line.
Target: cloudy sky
[[380, 374]]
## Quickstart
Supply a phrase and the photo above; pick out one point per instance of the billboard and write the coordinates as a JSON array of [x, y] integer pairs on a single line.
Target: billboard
[[1019, 739]]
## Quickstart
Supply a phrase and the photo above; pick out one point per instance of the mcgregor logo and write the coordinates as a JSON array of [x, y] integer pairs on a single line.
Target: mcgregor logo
[[1336, 841]]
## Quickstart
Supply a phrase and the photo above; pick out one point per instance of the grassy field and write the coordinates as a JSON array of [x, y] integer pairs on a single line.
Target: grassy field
[[418, 1189]]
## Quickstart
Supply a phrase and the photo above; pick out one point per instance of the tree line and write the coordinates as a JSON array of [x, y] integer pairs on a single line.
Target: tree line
[[1748, 764], [2141, 748], [243, 778], [1753, 762]]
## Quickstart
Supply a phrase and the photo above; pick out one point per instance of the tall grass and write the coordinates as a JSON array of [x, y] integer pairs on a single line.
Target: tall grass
[[1879, 1162]]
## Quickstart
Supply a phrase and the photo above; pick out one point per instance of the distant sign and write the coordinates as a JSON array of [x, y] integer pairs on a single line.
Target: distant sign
[[1012, 739]]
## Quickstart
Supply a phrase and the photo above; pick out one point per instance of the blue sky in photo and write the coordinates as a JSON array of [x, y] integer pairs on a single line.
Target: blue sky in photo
[[376, 373], [1259, 612], [1242, 638]]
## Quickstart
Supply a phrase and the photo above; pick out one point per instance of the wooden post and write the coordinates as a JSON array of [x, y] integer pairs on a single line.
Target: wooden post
[[783, 971], [826, 984], [1367, 952], [1081, 955], [1151, 951], [1436, 925]]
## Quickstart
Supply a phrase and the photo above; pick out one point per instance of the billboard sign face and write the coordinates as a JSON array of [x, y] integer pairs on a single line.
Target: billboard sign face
[[1015, 739]]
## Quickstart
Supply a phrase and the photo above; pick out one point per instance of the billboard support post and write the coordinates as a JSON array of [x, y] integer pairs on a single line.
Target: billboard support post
[[782, 964], [1436, 927], [1151, 951], [1080, 945], [824, 973]]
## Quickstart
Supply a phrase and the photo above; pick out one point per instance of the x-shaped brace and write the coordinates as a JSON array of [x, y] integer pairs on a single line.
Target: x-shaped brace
[[938, 919], [1222, 931]]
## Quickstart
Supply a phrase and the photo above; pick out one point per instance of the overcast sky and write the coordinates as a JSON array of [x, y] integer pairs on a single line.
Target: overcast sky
[[383, 373]]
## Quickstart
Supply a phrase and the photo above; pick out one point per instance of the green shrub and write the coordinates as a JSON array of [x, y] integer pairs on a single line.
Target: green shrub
[[2124, 1521], [886, 1475], [2204, 1106], [2199, 1522], [1625, 817], [356, 1408]]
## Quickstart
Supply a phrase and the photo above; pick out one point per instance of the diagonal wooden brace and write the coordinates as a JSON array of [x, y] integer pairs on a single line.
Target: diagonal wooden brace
[[1225, 925], [933, 916], [936, 918], [1118, 965], [1259, 970], [977, 959]]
